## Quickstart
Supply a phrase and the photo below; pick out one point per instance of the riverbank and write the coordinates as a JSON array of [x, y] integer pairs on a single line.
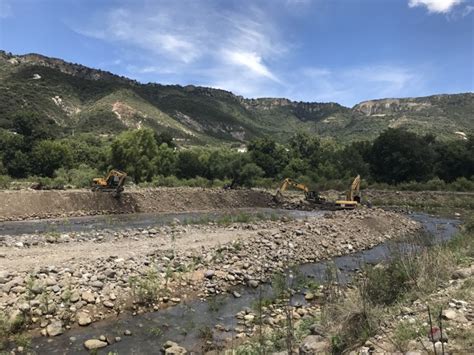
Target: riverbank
[[388, 308]]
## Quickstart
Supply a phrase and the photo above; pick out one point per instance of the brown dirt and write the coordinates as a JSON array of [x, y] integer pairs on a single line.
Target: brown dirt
[[30, 204]]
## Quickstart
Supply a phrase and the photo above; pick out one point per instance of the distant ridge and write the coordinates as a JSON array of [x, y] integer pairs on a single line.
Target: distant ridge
[[83, 99]]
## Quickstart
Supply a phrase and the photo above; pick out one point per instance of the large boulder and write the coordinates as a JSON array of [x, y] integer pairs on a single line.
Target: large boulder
[[55, 328], [93, 344]]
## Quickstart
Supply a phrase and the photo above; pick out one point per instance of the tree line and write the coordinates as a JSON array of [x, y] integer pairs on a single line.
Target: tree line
[[34, 148]]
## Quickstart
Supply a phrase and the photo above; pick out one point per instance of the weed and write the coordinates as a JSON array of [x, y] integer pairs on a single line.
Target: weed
[[146, 289], [156, 331], [404, 332]]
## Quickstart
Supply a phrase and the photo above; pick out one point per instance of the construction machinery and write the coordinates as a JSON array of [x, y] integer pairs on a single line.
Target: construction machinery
[[352, 196], [311, 196], [113, 182]]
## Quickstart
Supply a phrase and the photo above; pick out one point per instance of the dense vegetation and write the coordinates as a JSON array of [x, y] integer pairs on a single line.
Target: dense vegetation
[[35, 149]]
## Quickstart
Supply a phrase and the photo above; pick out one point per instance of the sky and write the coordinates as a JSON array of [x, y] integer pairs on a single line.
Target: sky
[[343, 51]]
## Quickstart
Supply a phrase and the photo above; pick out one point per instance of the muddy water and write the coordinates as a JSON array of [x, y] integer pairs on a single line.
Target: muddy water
[[136, 220], [185, 322]]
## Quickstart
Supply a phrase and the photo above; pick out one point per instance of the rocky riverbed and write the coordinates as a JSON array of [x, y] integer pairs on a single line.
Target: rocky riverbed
[[54, 282]]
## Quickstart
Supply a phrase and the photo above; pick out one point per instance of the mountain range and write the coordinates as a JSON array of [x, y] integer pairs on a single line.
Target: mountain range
[[82, 99]]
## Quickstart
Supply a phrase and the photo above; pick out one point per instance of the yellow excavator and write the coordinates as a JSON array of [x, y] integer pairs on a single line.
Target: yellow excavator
[[311, 196], [352, 196], [113, 182]]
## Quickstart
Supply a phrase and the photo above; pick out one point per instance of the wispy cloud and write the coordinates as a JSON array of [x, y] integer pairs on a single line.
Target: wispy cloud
[[355, 84], [436, 6], [5, 9], [201, 38], [240, 49]]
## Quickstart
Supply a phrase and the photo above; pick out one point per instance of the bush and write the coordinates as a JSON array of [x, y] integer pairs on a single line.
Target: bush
[[80, 177], [5, 181]]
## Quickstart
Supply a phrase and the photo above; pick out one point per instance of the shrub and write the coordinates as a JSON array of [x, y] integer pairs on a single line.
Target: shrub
[[5, 181]]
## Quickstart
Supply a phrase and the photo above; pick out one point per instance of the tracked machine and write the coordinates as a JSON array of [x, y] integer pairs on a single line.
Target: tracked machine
[[309, 195], [113, 182], [353, 197]]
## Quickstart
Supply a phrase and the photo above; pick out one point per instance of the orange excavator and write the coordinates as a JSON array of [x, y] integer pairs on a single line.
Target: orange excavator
[[113, 182], [311, 196]]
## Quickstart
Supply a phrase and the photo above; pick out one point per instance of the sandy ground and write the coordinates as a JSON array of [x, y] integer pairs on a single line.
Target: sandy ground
[[22, 259]]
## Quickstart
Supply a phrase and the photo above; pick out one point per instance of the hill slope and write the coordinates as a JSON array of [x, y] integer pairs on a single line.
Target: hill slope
[[82, 99]]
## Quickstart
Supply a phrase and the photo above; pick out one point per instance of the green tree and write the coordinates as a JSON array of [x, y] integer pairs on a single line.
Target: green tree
[[135, 152], [166, 160], [48, 155], [398, 155], [13, 154], [455, 159], [190, 164], [269, 156], [306, 147], [248, 174], [34, 127]]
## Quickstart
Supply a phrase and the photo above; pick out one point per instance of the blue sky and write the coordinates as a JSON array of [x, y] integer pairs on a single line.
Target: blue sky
[[345, 51]]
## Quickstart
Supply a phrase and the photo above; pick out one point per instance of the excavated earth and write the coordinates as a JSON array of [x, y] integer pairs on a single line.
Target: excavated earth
[[31, 204], [62, 280]]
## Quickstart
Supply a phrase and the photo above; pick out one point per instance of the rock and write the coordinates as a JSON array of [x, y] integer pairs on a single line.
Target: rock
[[97, 284], [55, 328], [451, 314], [313, 344], [108, 304], [169, 344], [462, 273], [88, 297], [209, 274], [127, 332], [93, 344], [253, 283], [74, 297], [309, 296], [236, 294], [436, 335], [83, 319], [24, 307], [249, 317], [175, 350]]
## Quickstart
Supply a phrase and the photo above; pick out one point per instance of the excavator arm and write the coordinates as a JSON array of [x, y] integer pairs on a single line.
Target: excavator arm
[[312, 196]]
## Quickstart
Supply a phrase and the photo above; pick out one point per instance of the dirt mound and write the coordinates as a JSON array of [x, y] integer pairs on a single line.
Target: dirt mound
[[29, 204]]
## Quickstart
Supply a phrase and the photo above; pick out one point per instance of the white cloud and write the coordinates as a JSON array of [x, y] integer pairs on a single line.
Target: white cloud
[[436, 6], [249, 60], [5, 9]]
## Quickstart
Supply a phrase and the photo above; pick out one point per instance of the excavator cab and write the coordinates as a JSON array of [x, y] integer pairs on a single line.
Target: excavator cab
[[113, 182]]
